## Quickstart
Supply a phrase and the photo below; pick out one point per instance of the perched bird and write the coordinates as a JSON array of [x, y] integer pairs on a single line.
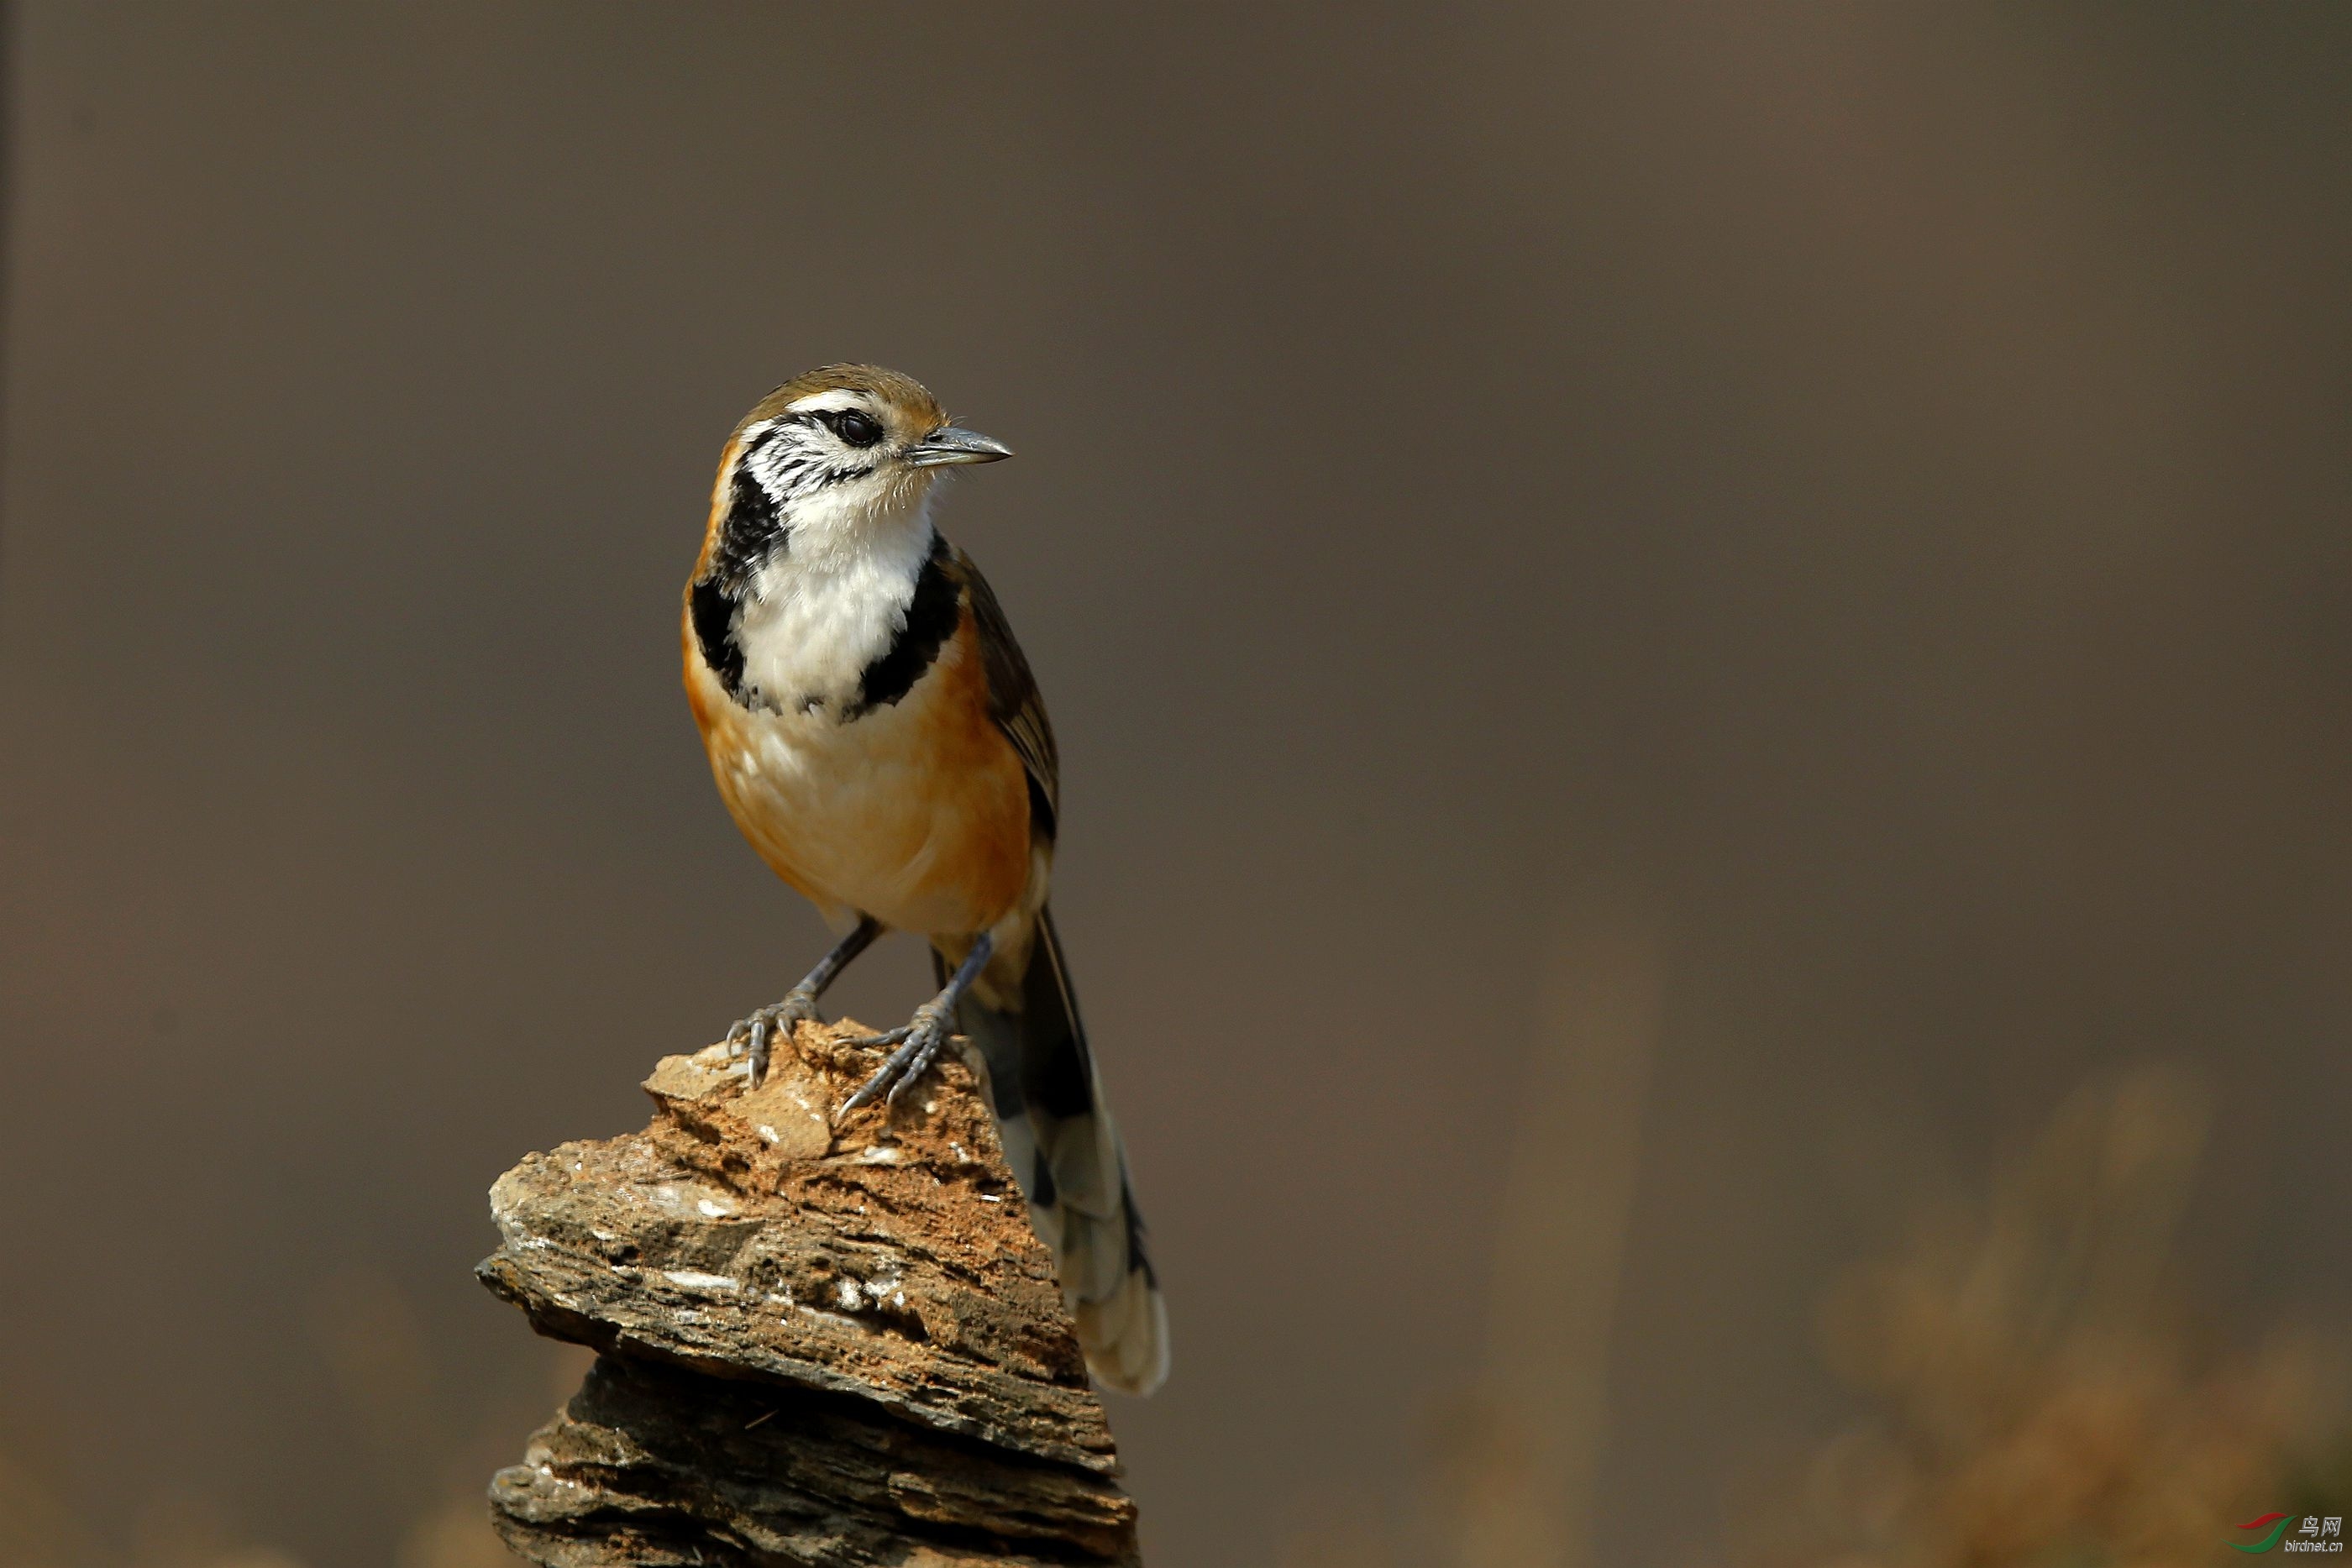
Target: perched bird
[[878, 737]]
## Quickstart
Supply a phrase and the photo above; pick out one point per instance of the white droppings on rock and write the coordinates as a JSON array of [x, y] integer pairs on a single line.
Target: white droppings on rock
[[691, 1280], [879, 1154], [714, 1210], [830, 1317], [848, 1296]]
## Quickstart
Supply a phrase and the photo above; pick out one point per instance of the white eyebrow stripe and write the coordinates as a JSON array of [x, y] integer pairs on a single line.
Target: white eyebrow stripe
[[833, 399]]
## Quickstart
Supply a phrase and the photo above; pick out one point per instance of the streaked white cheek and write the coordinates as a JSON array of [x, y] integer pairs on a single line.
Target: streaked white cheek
[[831, 602], [837, 521]]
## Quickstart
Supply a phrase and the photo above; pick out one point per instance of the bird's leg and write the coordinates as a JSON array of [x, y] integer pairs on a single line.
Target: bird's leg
[[754, 1033], [924, 1036]]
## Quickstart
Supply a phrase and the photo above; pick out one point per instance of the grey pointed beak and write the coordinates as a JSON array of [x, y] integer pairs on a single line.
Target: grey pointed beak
[[947, 444]]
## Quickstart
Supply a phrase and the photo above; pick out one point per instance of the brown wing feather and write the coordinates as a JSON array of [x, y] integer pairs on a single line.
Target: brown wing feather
[[1013, 701]]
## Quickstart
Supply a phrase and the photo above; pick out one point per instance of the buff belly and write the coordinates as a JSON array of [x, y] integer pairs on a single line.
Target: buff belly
[[916, 813]]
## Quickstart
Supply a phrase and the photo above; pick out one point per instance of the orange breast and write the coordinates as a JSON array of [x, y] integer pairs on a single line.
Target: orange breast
[[917, 813]]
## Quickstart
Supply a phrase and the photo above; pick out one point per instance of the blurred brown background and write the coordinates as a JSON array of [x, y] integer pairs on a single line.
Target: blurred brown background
[[1848, 502]]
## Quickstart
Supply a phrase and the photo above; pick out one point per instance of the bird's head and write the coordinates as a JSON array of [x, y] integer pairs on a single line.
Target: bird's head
[[842, 447]]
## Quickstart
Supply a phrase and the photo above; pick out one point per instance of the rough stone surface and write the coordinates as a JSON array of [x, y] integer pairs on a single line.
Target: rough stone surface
[[818, 1348]]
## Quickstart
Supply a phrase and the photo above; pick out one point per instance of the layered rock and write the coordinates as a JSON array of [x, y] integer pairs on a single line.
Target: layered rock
[[817, 1347]]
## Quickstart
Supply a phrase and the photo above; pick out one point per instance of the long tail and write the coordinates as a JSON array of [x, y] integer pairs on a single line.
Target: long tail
[[1060, 1142]]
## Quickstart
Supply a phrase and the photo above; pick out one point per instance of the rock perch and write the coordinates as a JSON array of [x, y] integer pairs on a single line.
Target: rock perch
[[815, 1347]]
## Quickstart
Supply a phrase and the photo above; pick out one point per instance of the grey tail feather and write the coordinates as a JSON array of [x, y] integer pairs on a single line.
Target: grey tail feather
[[1063, 1146]]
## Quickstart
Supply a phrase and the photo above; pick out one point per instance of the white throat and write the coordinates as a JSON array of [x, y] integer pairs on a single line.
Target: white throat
[[834, 595]]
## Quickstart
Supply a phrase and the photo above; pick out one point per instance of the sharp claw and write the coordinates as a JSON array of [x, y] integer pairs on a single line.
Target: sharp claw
[[759, 1052], [863, 1095], [868, 1090], [924, 1040], [756, 1034]]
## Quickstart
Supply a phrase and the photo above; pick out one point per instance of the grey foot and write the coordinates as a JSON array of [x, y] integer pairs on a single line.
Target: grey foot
[[752, 1036], [919, 1043]]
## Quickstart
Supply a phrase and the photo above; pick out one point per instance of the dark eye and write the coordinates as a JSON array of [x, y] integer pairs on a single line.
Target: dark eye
[[858, 429]]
